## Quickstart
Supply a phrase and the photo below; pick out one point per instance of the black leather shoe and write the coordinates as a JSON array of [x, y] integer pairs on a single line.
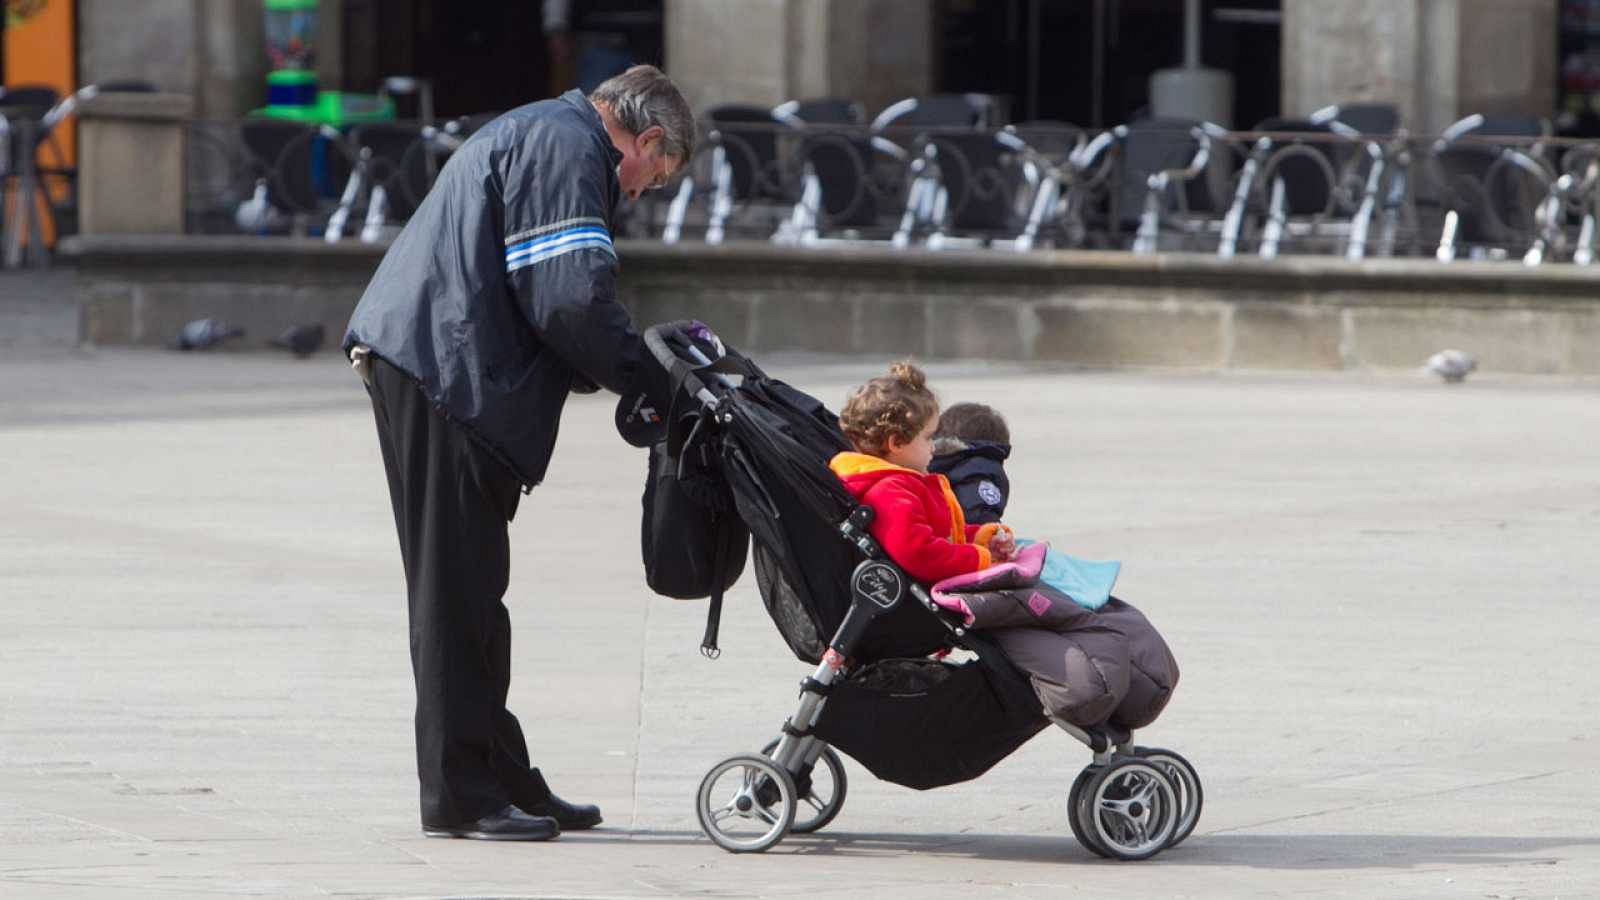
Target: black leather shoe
[[509, 824], [570, 816]]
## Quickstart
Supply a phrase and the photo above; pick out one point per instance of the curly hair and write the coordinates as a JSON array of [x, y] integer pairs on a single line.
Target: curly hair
[[896, 405], [973, 422]]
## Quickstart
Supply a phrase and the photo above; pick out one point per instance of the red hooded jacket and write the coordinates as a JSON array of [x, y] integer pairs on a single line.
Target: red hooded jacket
[[916, 518]]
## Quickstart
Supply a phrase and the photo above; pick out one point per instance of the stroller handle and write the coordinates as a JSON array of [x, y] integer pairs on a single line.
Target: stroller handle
[[655, 338], [680, 357]]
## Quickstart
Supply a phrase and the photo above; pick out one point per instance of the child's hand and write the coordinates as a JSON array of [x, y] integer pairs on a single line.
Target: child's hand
[[1003, 546]]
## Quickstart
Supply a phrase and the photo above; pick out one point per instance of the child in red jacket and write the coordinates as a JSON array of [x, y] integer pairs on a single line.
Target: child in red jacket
[[916, 517]]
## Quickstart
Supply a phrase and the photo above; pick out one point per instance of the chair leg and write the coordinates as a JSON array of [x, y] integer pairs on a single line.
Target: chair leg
[[673, 230], [1277, 215], [1147, 239], [347, 202], [1583, 253], [721, 197], [377, 212], [1447, 238], [1044, 200]]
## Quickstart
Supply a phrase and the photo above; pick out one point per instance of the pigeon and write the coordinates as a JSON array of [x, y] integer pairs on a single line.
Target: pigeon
[[203, 334], [1451, 365], [257, 215], [301, 340]]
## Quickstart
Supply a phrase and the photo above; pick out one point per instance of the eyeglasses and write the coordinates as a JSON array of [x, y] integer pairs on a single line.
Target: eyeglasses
[[664, 171]]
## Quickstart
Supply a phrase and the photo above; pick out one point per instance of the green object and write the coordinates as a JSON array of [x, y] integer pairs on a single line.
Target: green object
[[292, 94], [333, 108], [291, 77]]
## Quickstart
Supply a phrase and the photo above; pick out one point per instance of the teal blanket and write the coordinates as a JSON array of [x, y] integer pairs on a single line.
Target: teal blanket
[[1087, 581]]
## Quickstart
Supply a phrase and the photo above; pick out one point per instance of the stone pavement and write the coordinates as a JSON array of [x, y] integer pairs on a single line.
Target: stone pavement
[[1378, 588], [37, 309]]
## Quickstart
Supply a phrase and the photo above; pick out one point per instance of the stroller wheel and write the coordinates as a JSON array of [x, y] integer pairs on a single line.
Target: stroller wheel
[[1076, 811], [746, 803], [1129, 808], [820, 798], [1187, 783]]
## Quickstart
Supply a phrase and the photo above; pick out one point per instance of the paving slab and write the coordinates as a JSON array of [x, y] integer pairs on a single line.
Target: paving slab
[[1377, 587]]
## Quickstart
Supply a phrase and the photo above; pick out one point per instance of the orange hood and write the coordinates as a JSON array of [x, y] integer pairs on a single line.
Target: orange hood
[[860, 471]]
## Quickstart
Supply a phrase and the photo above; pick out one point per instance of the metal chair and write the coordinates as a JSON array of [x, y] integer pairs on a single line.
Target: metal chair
[[1064, 173], [23, 131], [1159, 179], [742, 167], [297, 168], [1488, 195], [396, 164], [1324, 188], [914, 132], [837, 183]]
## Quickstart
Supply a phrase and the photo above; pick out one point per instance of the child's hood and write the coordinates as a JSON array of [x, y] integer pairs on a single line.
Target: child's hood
[[863, 470], [965, 449]]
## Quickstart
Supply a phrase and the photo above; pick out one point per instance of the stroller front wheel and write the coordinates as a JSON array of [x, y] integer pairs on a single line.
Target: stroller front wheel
[[746, 803], [826, 803], [1128, 809]]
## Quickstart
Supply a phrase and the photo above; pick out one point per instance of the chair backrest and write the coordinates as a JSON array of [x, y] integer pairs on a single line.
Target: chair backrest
[[822, 111], [751, 151], [1514, 126], [973, 172], [304, 168], [1310, 170], [842, 163], [1493, 199], [1150, 146], [1375, 119], [941, 111], [1049, 137], [399, 161], [27, 101]]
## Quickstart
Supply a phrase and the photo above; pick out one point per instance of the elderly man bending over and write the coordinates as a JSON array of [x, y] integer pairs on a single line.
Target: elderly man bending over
[[495, 301]]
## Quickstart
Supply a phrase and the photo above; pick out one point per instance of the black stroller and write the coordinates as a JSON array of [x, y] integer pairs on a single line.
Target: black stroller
[[842, 605]]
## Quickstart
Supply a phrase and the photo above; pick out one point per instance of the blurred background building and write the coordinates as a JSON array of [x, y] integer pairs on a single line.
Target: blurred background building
[[1088, 62]]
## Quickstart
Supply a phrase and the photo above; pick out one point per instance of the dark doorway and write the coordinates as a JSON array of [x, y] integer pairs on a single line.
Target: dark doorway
[[1089, 61], [488, 55], [480, 55]]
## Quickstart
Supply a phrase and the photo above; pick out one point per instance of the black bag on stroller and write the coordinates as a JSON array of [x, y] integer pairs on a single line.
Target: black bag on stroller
[[694, 546]]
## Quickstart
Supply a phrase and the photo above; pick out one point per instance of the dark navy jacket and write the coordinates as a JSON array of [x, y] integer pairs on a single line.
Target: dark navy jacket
[[498, 296], [977, 474]]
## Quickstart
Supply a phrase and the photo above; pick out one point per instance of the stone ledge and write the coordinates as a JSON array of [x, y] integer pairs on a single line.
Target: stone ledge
[[151, 107], [1088, 308]]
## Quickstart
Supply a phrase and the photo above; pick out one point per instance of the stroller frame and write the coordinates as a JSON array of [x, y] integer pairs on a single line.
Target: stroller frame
[[1130, 802]]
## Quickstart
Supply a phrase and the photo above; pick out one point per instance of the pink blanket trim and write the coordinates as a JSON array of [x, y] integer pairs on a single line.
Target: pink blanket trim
[[1027, 566]]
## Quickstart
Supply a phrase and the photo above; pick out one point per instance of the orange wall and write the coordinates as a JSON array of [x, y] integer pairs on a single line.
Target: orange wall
[[39, 50]]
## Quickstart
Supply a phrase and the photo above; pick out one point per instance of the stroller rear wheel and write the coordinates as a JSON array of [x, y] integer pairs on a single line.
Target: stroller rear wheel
[[824, 797], [746, 803], [1128, 809], [1187, 782]]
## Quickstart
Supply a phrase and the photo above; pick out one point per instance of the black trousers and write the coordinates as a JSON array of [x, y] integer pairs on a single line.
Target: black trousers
[[452, 502]]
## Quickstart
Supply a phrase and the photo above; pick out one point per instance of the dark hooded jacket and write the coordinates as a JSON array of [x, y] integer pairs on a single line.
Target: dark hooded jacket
[[977, 473], [498, 297]]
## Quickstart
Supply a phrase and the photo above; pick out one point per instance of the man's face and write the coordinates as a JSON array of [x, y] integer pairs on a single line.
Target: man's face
[[644, 165]]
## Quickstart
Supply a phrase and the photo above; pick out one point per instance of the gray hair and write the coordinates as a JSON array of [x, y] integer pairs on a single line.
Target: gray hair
[[644, 96]]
